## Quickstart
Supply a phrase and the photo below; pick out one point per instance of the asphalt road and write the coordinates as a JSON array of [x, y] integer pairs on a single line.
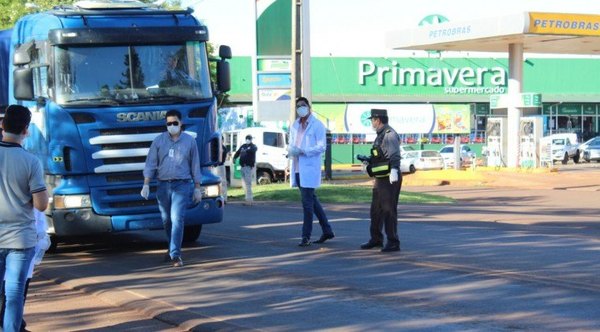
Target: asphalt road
[[500, 259]]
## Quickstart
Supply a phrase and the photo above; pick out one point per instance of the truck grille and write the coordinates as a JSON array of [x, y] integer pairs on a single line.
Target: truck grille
[[125, 177], [124, 149]]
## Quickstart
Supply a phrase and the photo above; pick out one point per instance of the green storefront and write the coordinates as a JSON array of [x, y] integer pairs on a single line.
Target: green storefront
[[569, 87]]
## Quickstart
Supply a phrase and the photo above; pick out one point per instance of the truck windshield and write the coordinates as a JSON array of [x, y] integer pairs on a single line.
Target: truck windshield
[[134, 74]]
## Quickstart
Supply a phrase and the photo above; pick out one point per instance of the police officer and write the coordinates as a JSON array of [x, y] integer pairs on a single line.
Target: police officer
[[384, 166]]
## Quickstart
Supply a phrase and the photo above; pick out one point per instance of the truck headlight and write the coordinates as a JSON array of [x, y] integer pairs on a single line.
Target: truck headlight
[[71, 201], [211, 191]]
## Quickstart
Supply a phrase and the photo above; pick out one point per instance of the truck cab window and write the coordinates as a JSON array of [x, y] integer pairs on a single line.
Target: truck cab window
[[132, 74], [273, 139]]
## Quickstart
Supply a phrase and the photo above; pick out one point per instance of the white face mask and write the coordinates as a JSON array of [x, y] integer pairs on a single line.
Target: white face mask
[[173, 130], [302, 111], [248, 141]]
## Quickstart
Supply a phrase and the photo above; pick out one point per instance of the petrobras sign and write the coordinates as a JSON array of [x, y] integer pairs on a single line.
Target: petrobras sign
[[454, 80], [564, 24]]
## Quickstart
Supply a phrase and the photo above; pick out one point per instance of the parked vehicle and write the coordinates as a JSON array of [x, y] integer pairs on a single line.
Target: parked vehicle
[[271, 154], [592, 152], [404, 148], [584, 146], [421, 160], [92, 75], [466, 155], [564, 147]]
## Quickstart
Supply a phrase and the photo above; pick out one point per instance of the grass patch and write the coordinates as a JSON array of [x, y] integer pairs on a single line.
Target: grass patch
[[330, 193]]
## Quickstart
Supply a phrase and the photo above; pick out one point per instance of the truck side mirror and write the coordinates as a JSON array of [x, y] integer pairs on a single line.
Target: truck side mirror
[[22, 55], [23, 84], [224, 52], [223, 76]]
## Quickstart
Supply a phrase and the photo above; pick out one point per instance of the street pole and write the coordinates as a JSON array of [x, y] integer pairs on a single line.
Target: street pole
[[296, 77], [301, 78]]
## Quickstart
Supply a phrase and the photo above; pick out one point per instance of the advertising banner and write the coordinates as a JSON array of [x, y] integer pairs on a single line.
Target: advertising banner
[[405, 119]]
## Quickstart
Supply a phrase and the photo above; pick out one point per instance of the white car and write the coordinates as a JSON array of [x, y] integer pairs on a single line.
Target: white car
[[466, 155], [421, 160], [584, 146]]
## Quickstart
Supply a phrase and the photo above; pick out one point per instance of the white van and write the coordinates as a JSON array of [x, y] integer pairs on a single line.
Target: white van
[[271, 154]]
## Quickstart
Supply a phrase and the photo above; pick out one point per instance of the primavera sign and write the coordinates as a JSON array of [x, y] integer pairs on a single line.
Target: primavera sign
[[455, 80]]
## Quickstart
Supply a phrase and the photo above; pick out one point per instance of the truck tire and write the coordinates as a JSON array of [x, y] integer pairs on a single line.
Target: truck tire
[[412, 169], [264, 177], [576, 158], [192, 233], [565, 159], [53, 244]]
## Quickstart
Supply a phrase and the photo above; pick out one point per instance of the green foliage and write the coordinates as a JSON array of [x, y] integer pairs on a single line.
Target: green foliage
[[330, 193]]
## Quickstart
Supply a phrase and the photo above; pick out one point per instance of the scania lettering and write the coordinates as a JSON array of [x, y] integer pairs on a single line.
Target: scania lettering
[[141, 116], [96, 76]]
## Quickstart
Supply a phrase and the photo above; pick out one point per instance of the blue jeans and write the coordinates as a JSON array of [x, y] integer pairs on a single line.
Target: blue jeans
[[311, 205], [173, 198], [14, 265]]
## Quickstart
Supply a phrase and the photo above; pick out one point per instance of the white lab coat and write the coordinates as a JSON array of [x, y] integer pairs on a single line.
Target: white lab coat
[[313, 145]]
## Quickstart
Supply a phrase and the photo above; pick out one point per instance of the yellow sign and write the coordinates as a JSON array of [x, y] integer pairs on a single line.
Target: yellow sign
[[564, 24], [452, 119]]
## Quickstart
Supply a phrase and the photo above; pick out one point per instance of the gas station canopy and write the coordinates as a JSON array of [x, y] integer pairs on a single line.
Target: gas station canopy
[[532, 32], [557, 33]]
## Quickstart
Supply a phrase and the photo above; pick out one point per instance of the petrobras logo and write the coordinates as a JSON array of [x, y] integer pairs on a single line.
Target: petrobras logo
[[141, 116]]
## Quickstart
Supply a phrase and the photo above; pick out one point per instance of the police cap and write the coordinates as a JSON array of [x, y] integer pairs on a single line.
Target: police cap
[[378, 113]]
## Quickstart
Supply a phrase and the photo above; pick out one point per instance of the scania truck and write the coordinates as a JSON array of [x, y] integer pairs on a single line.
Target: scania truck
[[96, 77]]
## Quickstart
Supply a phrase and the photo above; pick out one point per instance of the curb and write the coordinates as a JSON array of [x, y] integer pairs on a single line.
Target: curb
[[120, 298]]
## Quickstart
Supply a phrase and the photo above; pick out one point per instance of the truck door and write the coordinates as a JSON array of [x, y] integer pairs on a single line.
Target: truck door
[[274, 149]]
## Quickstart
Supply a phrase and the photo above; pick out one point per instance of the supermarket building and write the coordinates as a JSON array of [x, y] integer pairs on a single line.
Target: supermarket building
[[430, 96]]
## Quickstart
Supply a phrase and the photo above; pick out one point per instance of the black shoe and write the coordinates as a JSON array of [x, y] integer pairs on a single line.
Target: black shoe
[[371, 245], [304, 243], [177, 262], [325, 237], [391, 247]]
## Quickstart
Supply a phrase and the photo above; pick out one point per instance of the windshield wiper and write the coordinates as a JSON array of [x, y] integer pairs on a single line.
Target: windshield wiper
[[95, 101], [163, 98]]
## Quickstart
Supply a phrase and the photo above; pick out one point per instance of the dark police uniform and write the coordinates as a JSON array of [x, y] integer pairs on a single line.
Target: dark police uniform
[[384, 204]]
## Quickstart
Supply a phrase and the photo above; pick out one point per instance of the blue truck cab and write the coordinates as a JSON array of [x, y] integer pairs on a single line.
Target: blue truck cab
[[99, 78]]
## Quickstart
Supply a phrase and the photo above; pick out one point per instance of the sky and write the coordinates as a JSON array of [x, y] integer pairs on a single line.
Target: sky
[[357, 27]]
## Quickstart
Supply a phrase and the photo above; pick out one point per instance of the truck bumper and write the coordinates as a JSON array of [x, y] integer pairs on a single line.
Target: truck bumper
[[85, 222]]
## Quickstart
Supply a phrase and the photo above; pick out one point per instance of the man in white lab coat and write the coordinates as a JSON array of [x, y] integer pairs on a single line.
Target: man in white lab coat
[[307, 144]]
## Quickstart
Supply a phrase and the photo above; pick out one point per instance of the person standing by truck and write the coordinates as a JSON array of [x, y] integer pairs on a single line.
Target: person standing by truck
[[247, 155], [307, 144], [22, 188], [173, 158]]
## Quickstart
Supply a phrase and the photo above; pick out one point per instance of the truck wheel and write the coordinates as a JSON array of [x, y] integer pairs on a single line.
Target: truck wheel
[[53, 244], [192, 233], [264, 177], [412, 169], [576, 158], [565, 159]]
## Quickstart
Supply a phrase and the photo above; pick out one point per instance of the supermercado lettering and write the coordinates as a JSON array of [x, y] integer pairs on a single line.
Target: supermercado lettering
[[456, 80]]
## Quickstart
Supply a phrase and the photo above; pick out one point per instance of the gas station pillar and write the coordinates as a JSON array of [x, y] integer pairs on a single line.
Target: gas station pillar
[[515, 78]]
